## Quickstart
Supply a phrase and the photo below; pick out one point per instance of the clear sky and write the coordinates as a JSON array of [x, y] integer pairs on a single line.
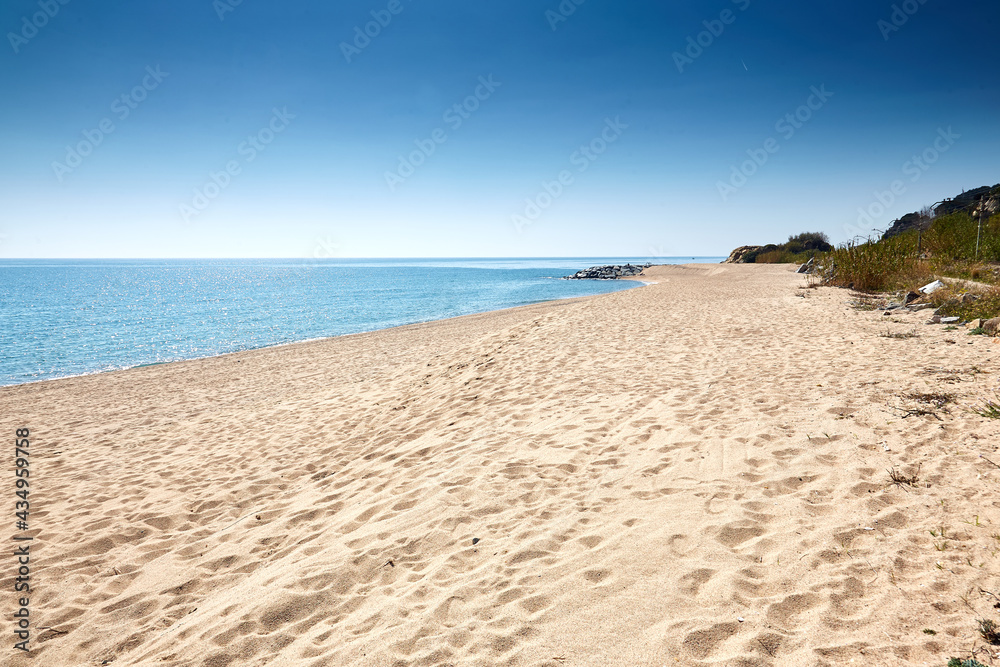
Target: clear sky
[[194, 128]]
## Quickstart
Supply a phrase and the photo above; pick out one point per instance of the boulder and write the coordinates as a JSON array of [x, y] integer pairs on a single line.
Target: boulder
[[609, 272], [992, 327], [738, 256], [910, 221]]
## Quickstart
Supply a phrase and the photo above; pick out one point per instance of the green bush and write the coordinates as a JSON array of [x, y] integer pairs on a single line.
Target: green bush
[[808, 241], [953, 237], [958, 662], [797, 250]]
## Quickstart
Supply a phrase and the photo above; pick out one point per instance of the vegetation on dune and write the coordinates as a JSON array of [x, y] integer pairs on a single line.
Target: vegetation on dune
[[955, 239], [967, 304], [874, 266], [961, 243], [907, 261], [799, 249]]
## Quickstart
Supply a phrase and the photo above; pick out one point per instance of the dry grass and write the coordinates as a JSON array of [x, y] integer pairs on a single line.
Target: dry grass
[[899, 335], [897, 478], [883, 266], [989, 631], [937, 400], [967, 304]]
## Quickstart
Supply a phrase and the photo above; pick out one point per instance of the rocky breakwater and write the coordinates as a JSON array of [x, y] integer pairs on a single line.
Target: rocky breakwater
[[611, 272]]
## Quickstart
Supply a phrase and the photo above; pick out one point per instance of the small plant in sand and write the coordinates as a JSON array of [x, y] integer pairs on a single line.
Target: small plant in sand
[[989, 631], [988, 408], [938, 400], [867, 302], [897, 478], [899, 335], [971, 662]]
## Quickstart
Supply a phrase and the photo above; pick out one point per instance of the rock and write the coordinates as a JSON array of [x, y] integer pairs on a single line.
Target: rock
[[737, 256], [986, 197], [975, 324], [910, 221], [910, 297], [970, 298], [949, 320], [930, 288], [992, 327], [934, 320], [609, 272]]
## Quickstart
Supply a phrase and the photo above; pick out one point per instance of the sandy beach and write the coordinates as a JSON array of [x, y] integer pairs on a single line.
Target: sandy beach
[[692, 472]]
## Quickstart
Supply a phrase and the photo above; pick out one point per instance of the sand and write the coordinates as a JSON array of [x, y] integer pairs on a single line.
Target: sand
[[692, 472]]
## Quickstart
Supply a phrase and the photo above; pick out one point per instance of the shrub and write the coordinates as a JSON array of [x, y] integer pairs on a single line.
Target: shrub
[[797, 250], [968, 305], [953, 237], [815, 241], [875, 266]]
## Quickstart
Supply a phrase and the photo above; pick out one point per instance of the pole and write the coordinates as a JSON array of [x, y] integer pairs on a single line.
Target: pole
[[979, 234]]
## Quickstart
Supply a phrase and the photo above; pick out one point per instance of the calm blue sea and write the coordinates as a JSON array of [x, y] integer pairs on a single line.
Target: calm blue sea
[[70, 317]]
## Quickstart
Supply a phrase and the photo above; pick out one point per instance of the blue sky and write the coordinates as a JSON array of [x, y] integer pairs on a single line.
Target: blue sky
[[201, 129]]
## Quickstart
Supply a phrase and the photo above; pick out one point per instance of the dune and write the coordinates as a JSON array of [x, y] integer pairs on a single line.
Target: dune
[[693, 472]]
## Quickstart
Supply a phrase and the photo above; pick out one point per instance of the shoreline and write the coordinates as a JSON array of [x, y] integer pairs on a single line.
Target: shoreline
[[309, 340], [691, 473]]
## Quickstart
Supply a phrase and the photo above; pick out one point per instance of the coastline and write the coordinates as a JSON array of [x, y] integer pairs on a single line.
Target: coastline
[[693, 472], [304, 341]]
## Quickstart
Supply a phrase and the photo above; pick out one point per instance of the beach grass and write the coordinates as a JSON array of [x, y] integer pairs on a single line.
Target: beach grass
[[953, 247]]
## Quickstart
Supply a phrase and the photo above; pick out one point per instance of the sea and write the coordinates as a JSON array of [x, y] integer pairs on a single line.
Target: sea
[[61, 318]]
